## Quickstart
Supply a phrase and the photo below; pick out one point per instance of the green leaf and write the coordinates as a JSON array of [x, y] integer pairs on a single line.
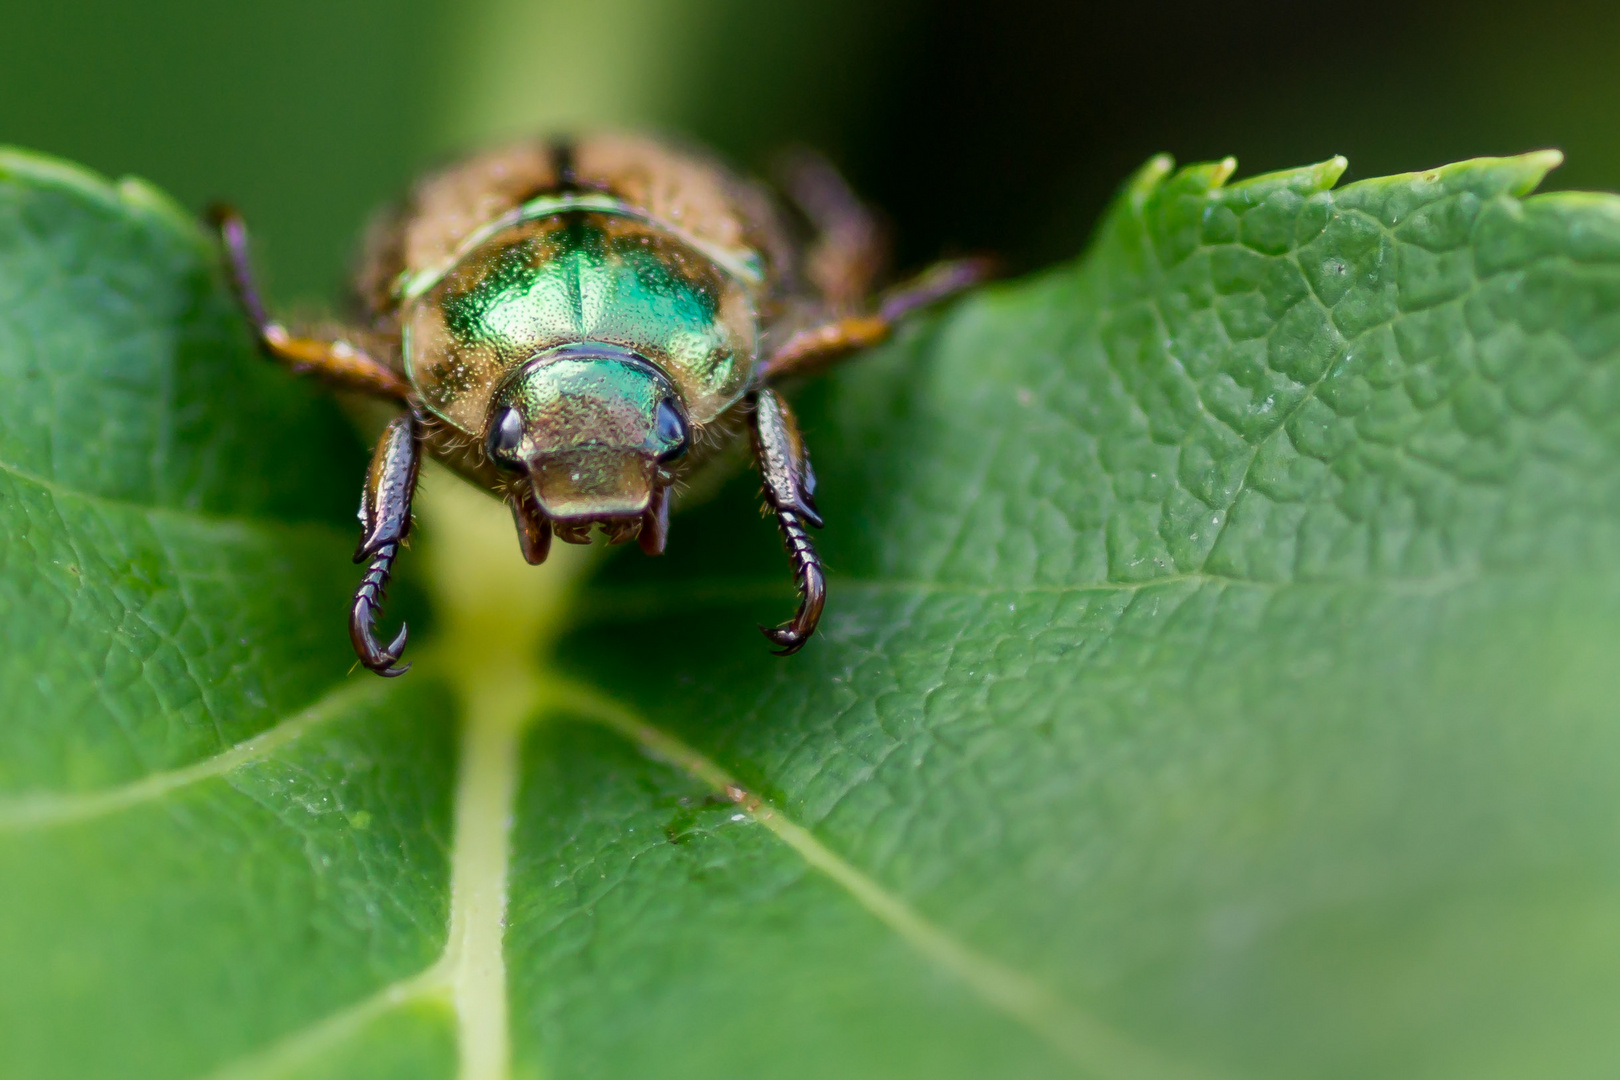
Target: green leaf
[[1217, 680], [208, 835]]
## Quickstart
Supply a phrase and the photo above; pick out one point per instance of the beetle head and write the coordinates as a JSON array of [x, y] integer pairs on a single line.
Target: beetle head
[[593, 426]]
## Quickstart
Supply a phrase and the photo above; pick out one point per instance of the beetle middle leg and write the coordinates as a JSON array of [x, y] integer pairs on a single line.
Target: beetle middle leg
[[385, 519], [337, 362], [789, 488], [818, 347]]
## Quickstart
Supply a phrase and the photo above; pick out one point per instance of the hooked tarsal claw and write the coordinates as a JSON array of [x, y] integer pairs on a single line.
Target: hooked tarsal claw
[[385, 661], [368, 600], [791, 636], [790, 640], [789, 487]]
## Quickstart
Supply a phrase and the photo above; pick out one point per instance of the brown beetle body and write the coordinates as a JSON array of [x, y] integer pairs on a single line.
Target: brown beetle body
[[565, 319]]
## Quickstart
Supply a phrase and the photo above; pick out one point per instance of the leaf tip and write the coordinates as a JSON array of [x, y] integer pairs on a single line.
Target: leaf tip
[[1305, 180], [1518, 175], [1332, 170], [1150, 176], [1486, 177], [1539, 163]]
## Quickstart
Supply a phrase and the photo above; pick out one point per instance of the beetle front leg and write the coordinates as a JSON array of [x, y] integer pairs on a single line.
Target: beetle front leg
[[385, 520], [789, 486], [818, 347], [337, 362]]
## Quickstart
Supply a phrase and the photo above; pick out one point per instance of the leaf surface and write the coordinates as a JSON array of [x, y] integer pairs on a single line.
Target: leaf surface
[[209, 836], [1217, 680]]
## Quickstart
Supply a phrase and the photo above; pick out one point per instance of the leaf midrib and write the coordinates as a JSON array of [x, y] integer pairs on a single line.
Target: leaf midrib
[[502, 699], [470, 974]]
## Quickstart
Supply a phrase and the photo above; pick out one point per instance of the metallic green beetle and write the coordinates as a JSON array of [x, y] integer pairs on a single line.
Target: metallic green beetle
[[576, 324]]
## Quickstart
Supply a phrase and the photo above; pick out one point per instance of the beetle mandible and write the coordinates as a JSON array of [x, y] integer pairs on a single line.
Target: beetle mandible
[[574, 324]]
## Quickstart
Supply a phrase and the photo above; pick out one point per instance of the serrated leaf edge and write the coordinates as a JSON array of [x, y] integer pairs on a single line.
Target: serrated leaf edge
[[470, 974], [1518, 175]]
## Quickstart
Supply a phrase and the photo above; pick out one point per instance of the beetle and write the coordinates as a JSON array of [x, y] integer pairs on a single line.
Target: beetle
[[576, 324]]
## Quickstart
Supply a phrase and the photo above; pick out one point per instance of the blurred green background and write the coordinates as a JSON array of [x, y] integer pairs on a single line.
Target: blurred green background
[[975, 125]]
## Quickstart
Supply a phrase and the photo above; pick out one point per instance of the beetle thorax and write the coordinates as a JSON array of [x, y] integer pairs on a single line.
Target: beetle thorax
[[573, 277]]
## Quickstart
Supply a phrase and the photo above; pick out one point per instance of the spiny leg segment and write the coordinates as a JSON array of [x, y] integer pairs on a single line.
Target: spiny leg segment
[[385, 520], [789, 482], [850, 254], [789, 488]]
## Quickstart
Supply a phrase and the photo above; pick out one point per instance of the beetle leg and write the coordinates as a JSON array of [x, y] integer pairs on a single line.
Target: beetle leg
[[337, 362], [818, 347], [789, 488], [385, 519], [850, 250]]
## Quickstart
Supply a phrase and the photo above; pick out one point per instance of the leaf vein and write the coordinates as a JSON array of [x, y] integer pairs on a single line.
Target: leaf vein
[[305, 1044], [1084, 1040], [43, 810]]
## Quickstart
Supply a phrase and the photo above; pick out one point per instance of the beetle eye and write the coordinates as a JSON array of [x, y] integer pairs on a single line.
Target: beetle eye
[[505, 433], [671, 429]]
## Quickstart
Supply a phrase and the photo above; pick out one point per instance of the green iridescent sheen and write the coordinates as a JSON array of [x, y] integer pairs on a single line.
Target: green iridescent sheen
[[590, 430], [586, 277], [580, 276]]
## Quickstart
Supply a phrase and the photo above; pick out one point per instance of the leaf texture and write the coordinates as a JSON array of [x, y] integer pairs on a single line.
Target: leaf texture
[[1217, 680], [208, 837]]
